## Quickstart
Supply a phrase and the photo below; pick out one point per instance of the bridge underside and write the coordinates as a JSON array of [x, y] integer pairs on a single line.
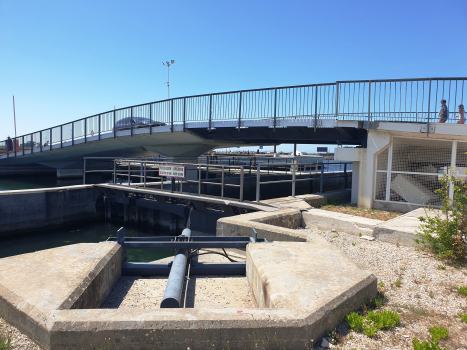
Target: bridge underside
[[196, 139]]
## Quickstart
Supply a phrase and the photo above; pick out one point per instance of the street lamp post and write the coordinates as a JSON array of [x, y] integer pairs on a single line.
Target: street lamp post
[[168, 64]]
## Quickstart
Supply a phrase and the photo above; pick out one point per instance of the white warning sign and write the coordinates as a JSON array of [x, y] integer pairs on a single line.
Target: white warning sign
[[172, 170]]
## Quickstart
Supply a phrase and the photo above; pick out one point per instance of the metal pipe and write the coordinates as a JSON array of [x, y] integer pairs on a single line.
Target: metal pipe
[[173, 290], [293, 179], [242, 175]]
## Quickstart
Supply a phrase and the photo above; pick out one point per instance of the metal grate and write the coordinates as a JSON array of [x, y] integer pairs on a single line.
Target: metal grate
[[420, 155], [380, 187], [415, 189], [382, 161]]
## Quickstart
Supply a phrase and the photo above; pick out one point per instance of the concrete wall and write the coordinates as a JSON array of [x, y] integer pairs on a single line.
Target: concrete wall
[[27, 210]]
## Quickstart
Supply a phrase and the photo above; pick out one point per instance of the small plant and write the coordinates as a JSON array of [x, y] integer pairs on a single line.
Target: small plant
[[381, 284], [373, 321], [370, 331], [461, 290], [403, 268], [426, 345], [355, 321], [438, 333], [463, 317], [353, 243], [444, 233], [431, 295], [360, 234], [398, 283], [441, 267], [5, 341], [385, 319]]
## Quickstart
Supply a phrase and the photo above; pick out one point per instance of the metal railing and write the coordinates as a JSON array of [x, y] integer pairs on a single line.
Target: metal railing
[[406, 100], [141, 174]]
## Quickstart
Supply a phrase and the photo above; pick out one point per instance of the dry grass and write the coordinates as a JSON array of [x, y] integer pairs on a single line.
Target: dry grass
[[352, 209]]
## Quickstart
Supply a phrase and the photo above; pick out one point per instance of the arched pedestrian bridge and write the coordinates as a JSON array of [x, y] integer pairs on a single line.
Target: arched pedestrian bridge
[[333, 113]]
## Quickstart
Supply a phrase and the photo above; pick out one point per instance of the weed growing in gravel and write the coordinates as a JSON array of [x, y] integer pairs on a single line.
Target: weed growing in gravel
[[398, 283], [462, 290], [5, 341], [438, 333], [463, 317], [373, 321], [444, 233], [441, 267], [426, 345]]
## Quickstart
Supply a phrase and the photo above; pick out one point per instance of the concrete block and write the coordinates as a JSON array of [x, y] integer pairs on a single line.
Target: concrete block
[[315, 278], [329, 220], [402, 229]]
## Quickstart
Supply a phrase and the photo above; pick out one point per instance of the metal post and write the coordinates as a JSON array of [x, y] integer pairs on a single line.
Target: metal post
[[40, 141], [150, 118], [258, 182], [72, 133], [199, 179], [129, 176], [242, 176], [22, 138], [172, 116], [32, 145], [131, 121], [210, 112], [369, 104], [316, 107], [84, 172], [141, 172], [184, 114], [85, 129], [61, 136], [115, 171], [50, 137], [337, 99], [293, 179], [222, 183], [145, 174], [428, 121], [115, 121], [99, 128], [240, 113], [275, 109], [321, 178]]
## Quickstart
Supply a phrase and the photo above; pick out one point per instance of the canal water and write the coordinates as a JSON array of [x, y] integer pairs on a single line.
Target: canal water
[[84, 233]]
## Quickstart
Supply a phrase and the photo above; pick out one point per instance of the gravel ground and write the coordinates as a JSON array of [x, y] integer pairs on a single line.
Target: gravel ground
[[426, 296]]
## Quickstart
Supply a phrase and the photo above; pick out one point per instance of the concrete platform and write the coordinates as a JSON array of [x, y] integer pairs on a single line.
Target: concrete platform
[[402, 229], [302, 289]]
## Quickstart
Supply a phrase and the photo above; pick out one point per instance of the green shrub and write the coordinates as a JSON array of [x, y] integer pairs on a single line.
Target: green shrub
[[355, 321], [463, 317], [5, 341], [444, 233], [373, 321], [462, 290], [426, 345], [385, 319], [370, 331], [438, 333]]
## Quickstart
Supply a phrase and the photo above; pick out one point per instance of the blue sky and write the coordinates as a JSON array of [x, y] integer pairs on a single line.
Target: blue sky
[[64, 60]]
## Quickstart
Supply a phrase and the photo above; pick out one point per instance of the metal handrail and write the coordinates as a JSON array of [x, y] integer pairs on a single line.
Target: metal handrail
[[293, 169], [407, 100]]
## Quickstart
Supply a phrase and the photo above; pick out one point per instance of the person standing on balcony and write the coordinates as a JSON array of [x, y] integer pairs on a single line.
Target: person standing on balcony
[[443, 113], [461, 115], [9, 145]]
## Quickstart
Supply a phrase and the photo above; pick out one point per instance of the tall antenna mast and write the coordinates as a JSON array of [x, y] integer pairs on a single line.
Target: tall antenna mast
[[168, 64]]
